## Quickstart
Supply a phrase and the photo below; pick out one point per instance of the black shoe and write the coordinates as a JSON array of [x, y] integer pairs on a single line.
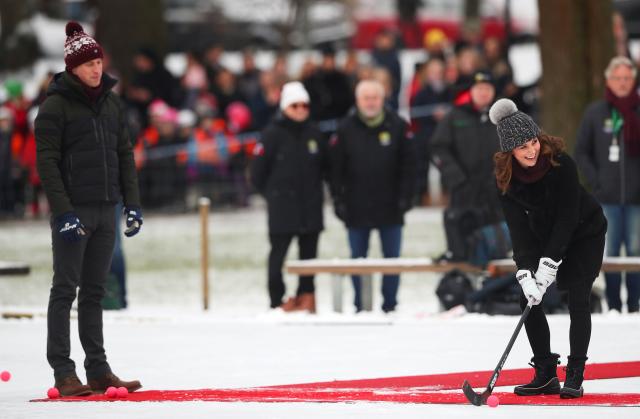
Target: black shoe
[[545, 380], [572, 388]]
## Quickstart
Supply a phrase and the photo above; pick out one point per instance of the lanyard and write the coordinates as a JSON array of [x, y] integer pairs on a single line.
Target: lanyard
[[617, 120]]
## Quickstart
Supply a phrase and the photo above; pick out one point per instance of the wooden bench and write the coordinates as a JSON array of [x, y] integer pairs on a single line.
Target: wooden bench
[[609, 264], [340, 268], [14, 268]]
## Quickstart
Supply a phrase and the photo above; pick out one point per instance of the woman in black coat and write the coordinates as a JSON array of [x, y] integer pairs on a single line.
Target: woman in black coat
[[558, 232], [288, 169]]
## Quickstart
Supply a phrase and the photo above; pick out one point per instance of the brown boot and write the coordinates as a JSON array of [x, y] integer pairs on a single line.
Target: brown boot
[[306, 302], [289, 305], [72, 386], [100, 385]]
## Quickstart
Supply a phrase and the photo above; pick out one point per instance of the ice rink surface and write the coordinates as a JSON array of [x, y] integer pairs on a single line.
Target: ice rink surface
[[167, 341]]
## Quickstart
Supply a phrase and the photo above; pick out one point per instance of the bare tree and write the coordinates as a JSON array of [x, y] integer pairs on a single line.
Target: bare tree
[[576, 43], [17, 48], [123, 26]]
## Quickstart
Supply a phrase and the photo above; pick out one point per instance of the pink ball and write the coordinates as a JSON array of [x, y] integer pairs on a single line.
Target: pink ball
[[493, 401], [53, 393], [122, 392], [5, 376], [111, 392]]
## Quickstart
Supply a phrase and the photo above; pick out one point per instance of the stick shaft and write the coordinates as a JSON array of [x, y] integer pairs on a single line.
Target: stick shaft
[[507, 350]]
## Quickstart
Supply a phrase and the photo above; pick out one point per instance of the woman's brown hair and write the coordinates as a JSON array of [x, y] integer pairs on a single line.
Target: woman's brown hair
[[549, 146]]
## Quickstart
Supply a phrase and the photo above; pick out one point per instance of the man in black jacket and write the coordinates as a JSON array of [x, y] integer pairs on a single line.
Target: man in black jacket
[[288, 169], [85, 161], [608, 155], [463, 146], [372, 181]]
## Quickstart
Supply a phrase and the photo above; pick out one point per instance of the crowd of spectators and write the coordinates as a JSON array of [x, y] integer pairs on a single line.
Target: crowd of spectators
[[194, 133]]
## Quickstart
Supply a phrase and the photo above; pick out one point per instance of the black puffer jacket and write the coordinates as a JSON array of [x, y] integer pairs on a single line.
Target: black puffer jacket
[[556, 218], [289, 166], [84, 153], [373, 171]]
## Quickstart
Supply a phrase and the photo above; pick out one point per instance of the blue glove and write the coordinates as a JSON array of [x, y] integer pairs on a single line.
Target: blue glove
[[134, 220], [69, 227]]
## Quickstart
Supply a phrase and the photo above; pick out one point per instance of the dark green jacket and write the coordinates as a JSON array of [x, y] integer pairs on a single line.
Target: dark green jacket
[[463, 146], [84, 150]]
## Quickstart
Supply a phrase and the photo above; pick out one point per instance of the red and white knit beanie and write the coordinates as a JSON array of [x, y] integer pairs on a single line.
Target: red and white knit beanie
[[79, 47]]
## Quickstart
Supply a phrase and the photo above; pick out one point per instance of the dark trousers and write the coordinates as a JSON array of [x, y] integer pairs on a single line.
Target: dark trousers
[[537, 327], [84, 265], [623, 225], [391, 239], [307, 249], [118, 264]]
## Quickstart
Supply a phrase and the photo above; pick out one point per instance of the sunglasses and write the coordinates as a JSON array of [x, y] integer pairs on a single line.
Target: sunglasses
[[300, 105]]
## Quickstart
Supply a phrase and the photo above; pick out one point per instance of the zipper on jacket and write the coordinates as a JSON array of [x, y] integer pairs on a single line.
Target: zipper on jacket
[[69, 176], [104, 159], [622, 172], [106, 166]]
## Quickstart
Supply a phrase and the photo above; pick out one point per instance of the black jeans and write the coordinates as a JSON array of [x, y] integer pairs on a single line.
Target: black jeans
[[580, 326], [307, 248], [84, 265]]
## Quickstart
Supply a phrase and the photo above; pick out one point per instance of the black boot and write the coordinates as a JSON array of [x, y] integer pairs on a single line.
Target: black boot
[[572, 388], [546, 379]]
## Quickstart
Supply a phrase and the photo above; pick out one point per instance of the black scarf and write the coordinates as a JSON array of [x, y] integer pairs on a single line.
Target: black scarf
[[531, 174]]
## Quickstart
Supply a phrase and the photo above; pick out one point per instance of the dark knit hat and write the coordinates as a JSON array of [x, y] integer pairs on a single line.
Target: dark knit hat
[[514, 127], [482, 77], [79, 47]]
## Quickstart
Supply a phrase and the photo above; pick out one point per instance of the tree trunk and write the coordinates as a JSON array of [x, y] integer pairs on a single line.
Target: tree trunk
[[576, 43], [16, 50], [123, 26]]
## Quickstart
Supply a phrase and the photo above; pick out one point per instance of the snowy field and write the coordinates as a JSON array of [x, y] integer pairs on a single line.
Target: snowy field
[[168, 342]]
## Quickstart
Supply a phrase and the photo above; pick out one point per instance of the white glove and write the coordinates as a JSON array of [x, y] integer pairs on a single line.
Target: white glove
[[529, 288], [546, 273]]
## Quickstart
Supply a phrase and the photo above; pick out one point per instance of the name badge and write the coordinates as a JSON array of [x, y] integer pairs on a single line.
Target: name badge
[[312, 146], [614, 153], [385, 138]]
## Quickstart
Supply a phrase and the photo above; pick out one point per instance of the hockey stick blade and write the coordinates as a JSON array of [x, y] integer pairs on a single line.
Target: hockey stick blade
[[480, 399], [475, 398]]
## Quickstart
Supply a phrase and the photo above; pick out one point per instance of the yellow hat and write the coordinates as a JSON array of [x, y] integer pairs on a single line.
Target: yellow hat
[[433, 37]]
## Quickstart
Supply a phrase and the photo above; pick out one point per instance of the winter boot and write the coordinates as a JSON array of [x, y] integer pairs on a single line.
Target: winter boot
[[101, 384], [545, 380], [572, 388], [306, 302], [289, 305], [71, 386]]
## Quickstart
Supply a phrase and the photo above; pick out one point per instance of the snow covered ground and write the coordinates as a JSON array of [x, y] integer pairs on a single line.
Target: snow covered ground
[[167, 341]]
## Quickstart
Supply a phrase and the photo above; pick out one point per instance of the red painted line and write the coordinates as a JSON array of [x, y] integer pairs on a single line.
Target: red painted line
[[343, 396], [411, 389], [453, 381]]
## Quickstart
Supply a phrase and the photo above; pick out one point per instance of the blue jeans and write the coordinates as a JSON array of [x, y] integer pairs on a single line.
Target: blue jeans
[[623, 229], [391, 238]]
